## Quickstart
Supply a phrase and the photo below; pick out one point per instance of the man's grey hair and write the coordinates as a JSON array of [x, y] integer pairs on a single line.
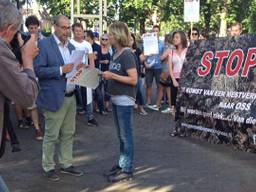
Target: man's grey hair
[[9, 15]]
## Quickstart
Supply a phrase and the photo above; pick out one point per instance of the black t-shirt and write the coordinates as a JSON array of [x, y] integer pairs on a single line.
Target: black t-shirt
[[137, 53], [105, 56], [119, 66], [96, 48]]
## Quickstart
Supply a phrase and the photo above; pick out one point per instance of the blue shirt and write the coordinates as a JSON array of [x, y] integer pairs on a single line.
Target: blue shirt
[[156, 58]]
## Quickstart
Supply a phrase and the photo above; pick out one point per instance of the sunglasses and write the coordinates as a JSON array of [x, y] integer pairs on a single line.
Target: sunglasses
[[194, 34], [104, 39]]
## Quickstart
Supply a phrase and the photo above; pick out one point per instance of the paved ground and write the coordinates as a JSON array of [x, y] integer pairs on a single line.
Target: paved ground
[[162, 163]]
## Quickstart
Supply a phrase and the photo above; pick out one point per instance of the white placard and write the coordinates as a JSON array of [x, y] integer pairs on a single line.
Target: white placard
[[76, 58], [86, 77], [191, 10], [150, 44]]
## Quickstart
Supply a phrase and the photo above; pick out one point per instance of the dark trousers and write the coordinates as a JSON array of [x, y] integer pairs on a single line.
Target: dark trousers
[[174, 92], [8, 124]]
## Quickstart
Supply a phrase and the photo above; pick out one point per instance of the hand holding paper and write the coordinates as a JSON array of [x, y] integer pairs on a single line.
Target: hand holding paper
[[75, 58], [86, 77]]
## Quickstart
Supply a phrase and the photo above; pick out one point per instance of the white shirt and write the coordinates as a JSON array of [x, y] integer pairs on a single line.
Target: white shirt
[[65, 56], [87, 47], [84, 46]]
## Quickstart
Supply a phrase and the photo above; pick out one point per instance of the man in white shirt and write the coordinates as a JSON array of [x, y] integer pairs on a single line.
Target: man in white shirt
[[86, 93]]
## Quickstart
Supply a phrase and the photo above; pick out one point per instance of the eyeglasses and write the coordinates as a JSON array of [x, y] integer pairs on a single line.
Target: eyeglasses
[[64, 28], [104, 39], [194, 34]]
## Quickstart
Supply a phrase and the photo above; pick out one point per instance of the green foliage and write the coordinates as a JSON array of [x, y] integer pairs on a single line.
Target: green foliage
[[138, 13]]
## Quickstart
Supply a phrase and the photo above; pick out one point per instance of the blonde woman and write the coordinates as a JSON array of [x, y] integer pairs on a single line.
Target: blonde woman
[[122, 76]]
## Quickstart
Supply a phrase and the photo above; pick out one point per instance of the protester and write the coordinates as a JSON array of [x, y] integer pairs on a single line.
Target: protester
[[122, 82], [33, 24], [153, 68], [194, 35], [104, 66], [236, 29], [140, 98], [176, 60], [165, 78], [97, 57], [56, 98], [16, 85], [81, 44]]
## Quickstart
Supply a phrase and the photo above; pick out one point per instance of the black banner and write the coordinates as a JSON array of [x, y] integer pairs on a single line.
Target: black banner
[[217, 93]]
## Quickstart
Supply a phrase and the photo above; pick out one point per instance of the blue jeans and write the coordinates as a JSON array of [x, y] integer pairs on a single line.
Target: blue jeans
[[123, 119], [99, 97], [88, 108], [140, 97]]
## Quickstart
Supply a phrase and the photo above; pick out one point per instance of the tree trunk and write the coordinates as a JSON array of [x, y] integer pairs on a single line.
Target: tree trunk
[[142, 26]]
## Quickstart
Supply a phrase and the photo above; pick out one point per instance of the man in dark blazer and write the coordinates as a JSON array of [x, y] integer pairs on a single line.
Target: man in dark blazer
[[57, 100]]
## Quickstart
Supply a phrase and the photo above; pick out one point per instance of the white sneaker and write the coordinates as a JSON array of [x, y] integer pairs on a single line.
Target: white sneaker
[[167, 110], [153, 107]]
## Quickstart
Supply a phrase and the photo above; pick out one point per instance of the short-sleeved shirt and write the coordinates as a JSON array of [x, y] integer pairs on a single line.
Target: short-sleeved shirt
[[119, 66], [84, 45], [155, 59], [177, 62]]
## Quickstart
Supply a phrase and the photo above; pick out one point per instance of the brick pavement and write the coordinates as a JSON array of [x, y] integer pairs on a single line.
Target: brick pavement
[[162, 163]]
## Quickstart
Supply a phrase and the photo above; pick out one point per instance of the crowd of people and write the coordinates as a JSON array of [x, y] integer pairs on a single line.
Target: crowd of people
[[126, 75]]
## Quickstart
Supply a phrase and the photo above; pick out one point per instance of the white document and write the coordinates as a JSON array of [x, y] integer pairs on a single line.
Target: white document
[[88, 95], [76, 58], [86, 77], [150, 44], [191, 10]]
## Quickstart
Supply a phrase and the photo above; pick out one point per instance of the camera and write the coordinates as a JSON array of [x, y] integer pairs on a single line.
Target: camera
[[15, 44]]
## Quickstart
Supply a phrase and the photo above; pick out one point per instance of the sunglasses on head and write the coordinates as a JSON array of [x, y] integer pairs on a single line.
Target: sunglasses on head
[[103, 39]]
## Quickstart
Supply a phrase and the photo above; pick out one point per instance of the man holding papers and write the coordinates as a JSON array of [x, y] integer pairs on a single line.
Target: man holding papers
[[153, 63], [56, 98]]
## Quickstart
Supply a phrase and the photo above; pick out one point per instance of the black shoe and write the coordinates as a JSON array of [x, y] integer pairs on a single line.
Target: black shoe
[[92, 122], [103, 113], [22, 124], [29, 122], [51, 175], [173, 134], [72, 171], [16, 148], [121, 176], [114, 170]]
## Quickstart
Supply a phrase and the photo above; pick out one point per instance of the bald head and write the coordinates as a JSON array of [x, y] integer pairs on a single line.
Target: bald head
[[62, 28]]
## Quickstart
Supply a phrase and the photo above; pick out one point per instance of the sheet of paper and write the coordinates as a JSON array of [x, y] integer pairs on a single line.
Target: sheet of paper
[[191, 10], [88, 95], [86, 77], [76, 58], [150, 44]]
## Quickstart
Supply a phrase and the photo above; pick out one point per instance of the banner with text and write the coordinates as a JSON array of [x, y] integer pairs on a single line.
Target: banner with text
[[217, 90]]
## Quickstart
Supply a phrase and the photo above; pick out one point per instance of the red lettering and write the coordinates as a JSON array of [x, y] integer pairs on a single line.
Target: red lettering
[[250, 61], [220, 55], [239, 54], [206, 64]]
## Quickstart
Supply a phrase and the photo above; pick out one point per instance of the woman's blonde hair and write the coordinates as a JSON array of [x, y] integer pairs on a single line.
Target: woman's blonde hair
[[121, 33]]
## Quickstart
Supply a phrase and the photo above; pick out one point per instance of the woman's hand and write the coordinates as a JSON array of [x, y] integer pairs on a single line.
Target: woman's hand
[[175, 83], [107, 75]]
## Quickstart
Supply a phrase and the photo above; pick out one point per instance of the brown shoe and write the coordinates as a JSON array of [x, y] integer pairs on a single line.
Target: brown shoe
[[39, 135]]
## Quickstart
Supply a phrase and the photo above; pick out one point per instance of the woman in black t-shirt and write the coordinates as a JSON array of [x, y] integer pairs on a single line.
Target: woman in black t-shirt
[[122, 77], [140, 97]]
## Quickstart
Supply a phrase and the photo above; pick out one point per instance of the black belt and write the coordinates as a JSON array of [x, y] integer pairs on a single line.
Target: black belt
[[70, 94]]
